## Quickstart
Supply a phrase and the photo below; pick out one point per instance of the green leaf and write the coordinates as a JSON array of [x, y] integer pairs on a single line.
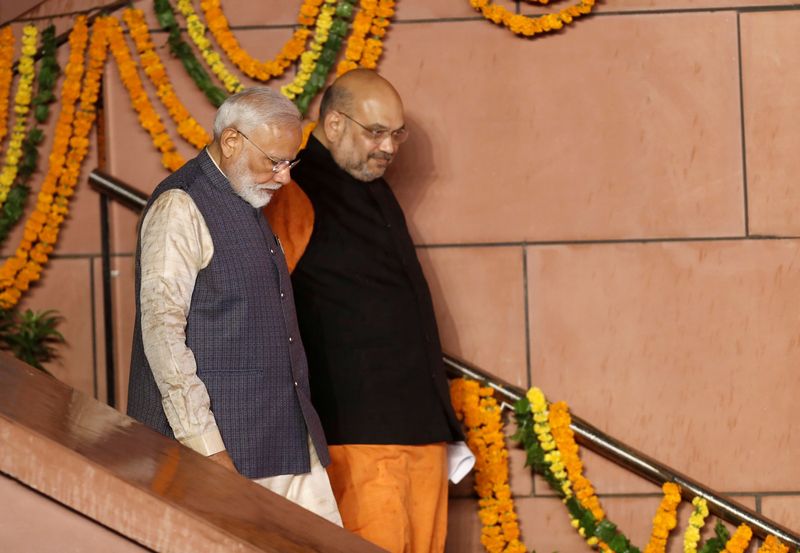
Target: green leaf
[[31, 336], [41, 112], [344, 10], [618, 543], [606, 530]]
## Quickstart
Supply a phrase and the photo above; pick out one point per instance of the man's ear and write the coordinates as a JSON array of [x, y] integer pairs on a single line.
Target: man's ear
[[229, 142], [333, 126]]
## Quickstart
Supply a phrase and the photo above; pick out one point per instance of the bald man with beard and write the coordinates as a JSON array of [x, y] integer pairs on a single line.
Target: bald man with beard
[[367, 321]]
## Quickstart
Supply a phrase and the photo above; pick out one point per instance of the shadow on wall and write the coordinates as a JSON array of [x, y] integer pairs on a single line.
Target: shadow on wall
[[412, 174]]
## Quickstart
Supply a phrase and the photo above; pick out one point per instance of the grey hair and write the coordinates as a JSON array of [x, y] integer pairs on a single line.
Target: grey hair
[[254, 107]]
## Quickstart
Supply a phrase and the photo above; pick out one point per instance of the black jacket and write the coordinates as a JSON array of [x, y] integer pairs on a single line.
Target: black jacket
[[366, 316]]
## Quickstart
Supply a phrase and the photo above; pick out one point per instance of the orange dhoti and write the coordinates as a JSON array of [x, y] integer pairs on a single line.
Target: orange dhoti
[[393, 495]]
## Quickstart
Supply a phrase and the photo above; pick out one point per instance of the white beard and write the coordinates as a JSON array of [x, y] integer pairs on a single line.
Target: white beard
[[257, 195]]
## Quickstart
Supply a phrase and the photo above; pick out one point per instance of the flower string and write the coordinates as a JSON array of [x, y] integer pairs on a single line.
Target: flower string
[[197, 32], [329, 52], [533, 418], [181, 50], [475, 406], [560, 421], [70, 92], [373, 18], [374, 45], [6, 76], [148, 118], [309, 58], [72, 130], [530, 26], [188, 127], [253, 68], [666, 518], [362, 22], [696, 522], [740, 540], [22, 103], [14, 205], [773, 545]]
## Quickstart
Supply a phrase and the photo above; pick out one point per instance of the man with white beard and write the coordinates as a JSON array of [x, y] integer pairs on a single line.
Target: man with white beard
[[217, 360]]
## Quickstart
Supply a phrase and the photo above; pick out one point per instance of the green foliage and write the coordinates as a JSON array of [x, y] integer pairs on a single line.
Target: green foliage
[[31, 336], [49, 71], [181, 50], [717, 543]]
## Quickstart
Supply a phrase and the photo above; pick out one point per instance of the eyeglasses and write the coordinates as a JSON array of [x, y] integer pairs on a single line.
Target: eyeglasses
[[378, 135], [278, 165]]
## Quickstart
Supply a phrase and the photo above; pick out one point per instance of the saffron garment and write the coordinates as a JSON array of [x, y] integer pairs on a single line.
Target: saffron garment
[[176, 250], [393, 496]]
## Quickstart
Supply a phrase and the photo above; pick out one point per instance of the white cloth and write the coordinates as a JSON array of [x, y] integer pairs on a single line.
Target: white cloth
[[311, 490], [460, 461]]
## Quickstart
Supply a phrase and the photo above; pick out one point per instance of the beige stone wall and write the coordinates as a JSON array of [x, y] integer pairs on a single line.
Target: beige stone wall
[[607, 213]]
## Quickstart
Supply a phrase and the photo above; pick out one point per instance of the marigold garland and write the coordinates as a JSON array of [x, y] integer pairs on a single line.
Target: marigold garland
[[560, 421], [70, 92], [188, 127], [14, 205], [148, 118], [6, 76], [773, 545], [329, 52], [696, 522], [41, 230], [740, 540], [530, 26], [253, 68], [22, 103], [666, 518], [181, 50], [374, 45], [197, 32], [476, 406], [373, 18], [532, 411], [309, 58], [541, 431]]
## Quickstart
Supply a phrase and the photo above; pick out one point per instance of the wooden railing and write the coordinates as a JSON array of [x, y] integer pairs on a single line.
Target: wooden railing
[[150, 489]]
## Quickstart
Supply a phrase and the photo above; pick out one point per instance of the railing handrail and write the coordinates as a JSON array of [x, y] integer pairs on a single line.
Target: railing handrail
[[598, 441], [117, 190], [587, 435]]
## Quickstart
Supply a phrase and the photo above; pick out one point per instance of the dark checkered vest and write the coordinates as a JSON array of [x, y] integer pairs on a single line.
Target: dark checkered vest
[[242, 329]]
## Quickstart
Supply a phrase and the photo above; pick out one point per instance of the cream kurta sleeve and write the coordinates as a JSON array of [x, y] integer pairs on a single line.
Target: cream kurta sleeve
[[175, 246]]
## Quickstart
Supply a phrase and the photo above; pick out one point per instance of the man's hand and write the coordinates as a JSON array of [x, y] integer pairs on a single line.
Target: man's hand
[[222, 458]]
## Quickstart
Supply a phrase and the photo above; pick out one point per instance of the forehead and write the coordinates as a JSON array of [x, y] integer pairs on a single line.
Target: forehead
[[281, 141], [385, 111]]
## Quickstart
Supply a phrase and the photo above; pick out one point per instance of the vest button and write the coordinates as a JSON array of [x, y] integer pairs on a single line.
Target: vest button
[[272, 251], [291, 339], [283, 295]]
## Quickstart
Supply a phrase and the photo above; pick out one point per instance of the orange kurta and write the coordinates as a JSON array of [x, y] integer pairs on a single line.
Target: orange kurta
[[393, 495]]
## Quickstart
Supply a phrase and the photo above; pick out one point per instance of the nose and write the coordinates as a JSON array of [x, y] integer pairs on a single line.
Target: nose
[[388, 145], [283, 176]]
